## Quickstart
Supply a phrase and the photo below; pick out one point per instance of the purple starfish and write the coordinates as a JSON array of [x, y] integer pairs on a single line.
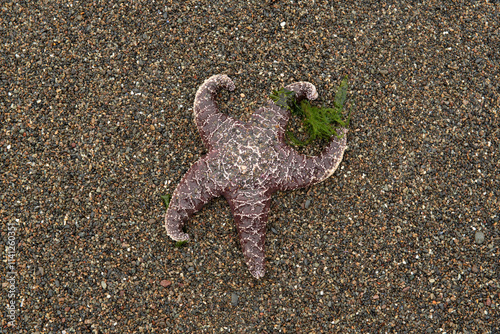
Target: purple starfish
[[246, 163]]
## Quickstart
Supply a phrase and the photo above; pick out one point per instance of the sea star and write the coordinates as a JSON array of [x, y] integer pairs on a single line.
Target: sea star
[[246, 163]]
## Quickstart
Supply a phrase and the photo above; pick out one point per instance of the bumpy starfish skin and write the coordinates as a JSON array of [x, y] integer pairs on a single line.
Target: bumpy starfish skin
[[246, 163]]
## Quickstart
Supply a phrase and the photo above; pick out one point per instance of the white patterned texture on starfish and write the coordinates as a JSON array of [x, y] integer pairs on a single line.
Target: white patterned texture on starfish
[[246, 163]]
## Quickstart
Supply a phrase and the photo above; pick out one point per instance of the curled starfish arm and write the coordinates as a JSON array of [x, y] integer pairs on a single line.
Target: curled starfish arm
[[207, 116], [197, 187], [303, 90], [250, 210], [276, 117], [302, 171], [275, 114]]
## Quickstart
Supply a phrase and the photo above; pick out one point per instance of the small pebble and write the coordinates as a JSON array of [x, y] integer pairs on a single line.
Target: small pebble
[[234, 299], [479, 237], [307, 204], [164, 283]]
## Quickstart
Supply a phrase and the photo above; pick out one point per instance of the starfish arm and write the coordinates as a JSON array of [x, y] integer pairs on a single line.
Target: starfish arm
[[301, 171], [250, 210], [276, 117], [303, 90], [207, 117], [199, 185]]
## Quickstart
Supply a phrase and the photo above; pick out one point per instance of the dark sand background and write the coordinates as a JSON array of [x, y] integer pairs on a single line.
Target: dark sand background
[[96, 124]]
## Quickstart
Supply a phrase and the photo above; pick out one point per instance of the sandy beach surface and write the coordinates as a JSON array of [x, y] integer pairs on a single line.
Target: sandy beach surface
[[96, 124]]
